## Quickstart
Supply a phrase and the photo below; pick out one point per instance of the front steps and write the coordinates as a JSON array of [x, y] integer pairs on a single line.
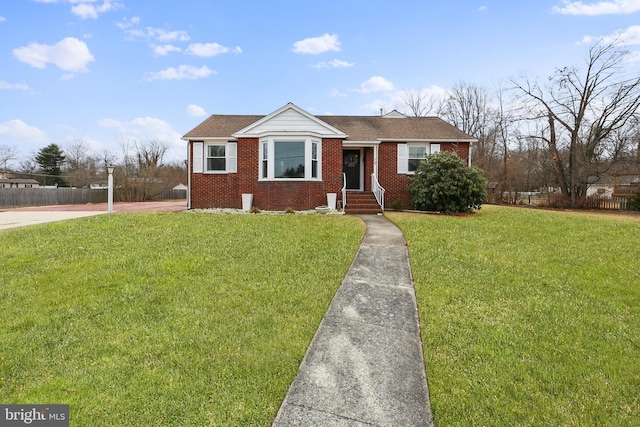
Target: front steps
[[361, 203]]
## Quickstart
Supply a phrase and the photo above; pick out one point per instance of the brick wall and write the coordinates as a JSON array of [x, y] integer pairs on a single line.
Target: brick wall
[[225, 190], [397, 185]]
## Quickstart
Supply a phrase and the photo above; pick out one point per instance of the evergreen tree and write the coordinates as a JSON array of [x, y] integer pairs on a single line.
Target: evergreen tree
[[51, 158]]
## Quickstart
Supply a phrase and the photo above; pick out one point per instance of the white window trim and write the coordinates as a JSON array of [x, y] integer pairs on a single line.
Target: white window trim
[[231, 157], [308, 143], [403, 155]]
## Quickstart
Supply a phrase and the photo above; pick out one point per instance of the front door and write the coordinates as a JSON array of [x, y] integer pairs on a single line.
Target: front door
[[351, 167]]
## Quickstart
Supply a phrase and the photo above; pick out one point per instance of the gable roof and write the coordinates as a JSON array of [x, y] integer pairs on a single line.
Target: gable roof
[[356, 128], [290, 118]]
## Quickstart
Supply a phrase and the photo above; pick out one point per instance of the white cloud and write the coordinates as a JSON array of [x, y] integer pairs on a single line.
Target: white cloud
[[144, 129], [20, 131], [165, 49], [337, 94], [376, 84], [210, 49], [482, 8], [378, 106], [158, 34], [626, 37], [315, 45], [336, 63], [608, 7], [183, 72], [2, 19], [630, 36], [196, 110], [128, 23], [7, 85], [632, 57], [69, 54], [86, 9]]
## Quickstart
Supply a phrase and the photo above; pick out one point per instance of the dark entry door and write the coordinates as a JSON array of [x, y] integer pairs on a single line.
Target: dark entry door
[[351, 167]]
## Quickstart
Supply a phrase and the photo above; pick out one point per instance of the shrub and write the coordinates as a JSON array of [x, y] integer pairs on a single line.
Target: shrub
[[444, 183], [634, 202]]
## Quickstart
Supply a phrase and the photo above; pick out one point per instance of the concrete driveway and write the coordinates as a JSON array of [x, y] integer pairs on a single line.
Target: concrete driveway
[[20, 217]]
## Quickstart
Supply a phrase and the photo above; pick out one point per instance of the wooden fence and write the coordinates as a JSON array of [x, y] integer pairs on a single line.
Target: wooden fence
[[615, 203], [20, 197], [555, 200]]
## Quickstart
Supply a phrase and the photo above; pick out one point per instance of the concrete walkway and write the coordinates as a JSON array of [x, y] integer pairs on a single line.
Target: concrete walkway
[[365, 365], [20, 217]]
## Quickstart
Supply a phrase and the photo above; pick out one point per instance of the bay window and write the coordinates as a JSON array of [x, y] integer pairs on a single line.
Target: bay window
[[289, 159]]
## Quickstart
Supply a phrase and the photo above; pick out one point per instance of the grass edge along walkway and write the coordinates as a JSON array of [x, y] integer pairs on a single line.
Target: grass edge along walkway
[[528, 317], [166, 319]]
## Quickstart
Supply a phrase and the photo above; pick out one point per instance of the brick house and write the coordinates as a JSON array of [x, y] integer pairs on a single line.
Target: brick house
[[291, 158]]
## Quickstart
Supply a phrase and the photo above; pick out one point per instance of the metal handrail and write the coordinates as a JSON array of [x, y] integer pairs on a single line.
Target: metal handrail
[[377, 190], [344, 191]]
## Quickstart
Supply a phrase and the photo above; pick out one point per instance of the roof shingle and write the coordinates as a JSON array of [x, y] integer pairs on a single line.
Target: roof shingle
[[359, 128]]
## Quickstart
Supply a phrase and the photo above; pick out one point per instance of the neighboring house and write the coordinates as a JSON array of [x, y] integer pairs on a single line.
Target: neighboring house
[[601, 187], [18, 183], [291, 158]]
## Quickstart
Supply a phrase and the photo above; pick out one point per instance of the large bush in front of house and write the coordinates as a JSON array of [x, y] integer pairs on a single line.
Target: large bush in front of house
[[444, 183], [634, 202]]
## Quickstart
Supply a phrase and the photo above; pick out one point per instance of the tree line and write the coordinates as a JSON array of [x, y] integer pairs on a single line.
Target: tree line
[[567, 132], [140, 171]]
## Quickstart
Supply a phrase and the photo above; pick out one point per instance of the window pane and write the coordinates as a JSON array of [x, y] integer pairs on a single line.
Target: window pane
[[314, 169], [314, 151], [216, 151], [413, 164], [417, 152], [216, 164], [289, 159]]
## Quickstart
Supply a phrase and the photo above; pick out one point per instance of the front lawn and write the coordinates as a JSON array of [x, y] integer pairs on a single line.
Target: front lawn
[[166, 319], [529, 317]]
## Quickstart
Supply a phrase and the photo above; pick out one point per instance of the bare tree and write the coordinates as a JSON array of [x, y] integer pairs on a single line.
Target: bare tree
[[81, 168], [28, 166], [468, 107], [140, 175], [583, 111], [420, 103], [7, 154]]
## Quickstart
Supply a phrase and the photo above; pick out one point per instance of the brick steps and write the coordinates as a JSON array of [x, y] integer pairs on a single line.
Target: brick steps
[[361, 203]]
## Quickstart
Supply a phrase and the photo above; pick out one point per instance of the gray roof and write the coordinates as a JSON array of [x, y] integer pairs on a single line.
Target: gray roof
[[359, 128], [18, 181]]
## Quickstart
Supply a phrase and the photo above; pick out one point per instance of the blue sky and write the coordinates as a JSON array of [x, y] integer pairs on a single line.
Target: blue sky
[[104, 71]]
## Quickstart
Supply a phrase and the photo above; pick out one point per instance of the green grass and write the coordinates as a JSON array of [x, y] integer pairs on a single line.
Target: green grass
[[529, 317], [166, 319]]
